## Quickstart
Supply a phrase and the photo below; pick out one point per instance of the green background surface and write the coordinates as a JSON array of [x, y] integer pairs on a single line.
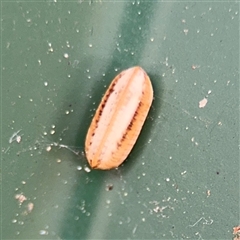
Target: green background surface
[[181, 180]]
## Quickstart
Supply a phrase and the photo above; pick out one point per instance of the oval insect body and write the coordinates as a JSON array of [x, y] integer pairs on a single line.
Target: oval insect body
[[119, 119]]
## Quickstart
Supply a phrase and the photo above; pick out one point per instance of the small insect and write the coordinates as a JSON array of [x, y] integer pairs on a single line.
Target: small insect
[[119, 119]]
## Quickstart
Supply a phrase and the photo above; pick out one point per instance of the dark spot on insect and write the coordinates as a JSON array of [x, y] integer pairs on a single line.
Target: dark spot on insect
[[90, 143], [93, 134], [96, 121]]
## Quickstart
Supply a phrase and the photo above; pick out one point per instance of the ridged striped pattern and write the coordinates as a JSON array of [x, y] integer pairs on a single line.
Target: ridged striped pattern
[[119, 119]]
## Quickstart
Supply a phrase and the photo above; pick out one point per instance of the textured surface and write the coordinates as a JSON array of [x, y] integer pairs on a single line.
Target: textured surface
[[182, 177]]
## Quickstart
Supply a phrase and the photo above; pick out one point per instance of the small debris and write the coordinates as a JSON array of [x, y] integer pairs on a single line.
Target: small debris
[[203, 103], [21, 198], [185, 31], [30, 207], [109, 187], [48, 148], [15, 137], [208, 193], [65, 55], [18, 139]]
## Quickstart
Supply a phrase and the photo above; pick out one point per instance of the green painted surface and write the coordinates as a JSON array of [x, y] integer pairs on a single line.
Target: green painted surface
[[181, 181]]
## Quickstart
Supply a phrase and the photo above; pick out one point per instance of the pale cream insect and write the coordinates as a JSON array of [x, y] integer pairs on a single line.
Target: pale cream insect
[[119, 119]]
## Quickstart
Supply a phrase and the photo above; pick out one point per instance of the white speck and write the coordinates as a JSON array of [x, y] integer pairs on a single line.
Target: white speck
[[209, 91], [53, 126], [23, 182], [198, 30], [184, 172], [30, 99], [195, 67], [69, 75], [87, 169], [143, 219], [14, 220], [43, 232], [167, 179], [192, 139], [48, 148], [183, 21], [67, 112], [108, 201], [44, 133], [170, 157], [65, 55], [203, 103], [39, 62], [59, 160], [125, 194], [52, 132], [79, 168], [185, 31], [152, 39], [29, 20], [90, 45], [45, 83]]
